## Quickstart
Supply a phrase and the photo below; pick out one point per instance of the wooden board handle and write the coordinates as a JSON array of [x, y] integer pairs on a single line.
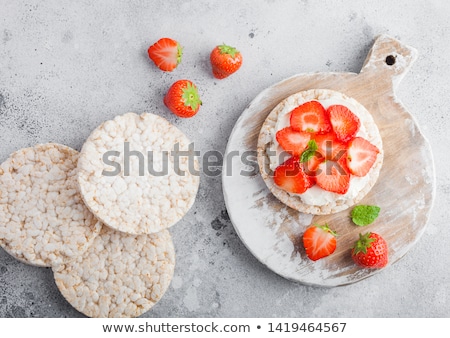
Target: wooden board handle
[[389, 58]]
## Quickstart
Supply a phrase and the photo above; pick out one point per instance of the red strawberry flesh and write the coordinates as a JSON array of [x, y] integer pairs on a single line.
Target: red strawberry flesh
[[329, 146], [319, 242], [310, 167], [291, 177], [294, 142], [310, 117], [361, 155], [333, 176], [344, 123], [166, 54]]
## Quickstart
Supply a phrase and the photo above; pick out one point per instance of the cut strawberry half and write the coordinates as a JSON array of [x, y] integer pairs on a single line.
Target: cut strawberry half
[[294, 142], [329, 146], [166, 54], [310, 160], [333, 176], [361, 155], [310, 117], [310, 166], [319, 241], [291, 177], [345, 124]]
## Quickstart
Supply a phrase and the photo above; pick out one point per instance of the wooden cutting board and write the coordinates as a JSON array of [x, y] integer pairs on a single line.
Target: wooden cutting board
[[405, 189]]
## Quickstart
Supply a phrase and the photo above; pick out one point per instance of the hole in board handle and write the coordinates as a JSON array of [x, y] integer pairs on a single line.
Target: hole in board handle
[[390, 60]]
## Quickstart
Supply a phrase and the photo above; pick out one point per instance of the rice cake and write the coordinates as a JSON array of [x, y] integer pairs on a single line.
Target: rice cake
[[43, 220], [120, 275], [265, 144], [138, 201]]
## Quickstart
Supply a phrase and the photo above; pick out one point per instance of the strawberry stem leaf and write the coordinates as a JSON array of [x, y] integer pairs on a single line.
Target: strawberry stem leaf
[[179, 53], [225, 49], [326, 228], [363, 243], [190, 97]]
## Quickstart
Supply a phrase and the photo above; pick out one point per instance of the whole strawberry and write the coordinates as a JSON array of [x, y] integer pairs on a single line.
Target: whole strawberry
[[225, 60], [182, 99], [166, 54], [370, 251]]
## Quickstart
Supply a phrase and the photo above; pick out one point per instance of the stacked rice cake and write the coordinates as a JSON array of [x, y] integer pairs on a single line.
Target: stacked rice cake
[[51, 208]]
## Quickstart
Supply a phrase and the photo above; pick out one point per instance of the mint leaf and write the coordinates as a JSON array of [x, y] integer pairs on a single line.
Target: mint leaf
[[309, 151], [312, 145], [365, 214]]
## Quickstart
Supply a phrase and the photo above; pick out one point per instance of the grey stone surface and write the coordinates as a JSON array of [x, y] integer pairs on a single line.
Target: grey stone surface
[[66, 66]]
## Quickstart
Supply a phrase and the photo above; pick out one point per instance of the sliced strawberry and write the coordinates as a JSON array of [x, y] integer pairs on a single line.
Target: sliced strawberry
[[319, 241], [361, 155], [333, 176], [310, 166], [166, 54], [329, 146], [290, 176], [310, 160], [345, 124], [310, 117], [294, 142]]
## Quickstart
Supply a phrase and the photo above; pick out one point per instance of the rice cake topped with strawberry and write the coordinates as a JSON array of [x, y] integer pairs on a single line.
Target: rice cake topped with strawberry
[[320, 151]]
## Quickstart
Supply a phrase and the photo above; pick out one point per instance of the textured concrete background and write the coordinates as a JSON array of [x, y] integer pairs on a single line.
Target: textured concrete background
[[66, 66]]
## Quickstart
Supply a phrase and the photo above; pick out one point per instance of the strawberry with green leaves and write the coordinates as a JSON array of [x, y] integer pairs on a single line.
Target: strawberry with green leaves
[[182, 99], [319, 241], [370, 251], [225, 60], [166, 54]]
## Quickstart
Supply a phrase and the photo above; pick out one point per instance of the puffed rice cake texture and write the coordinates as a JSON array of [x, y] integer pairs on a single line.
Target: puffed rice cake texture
[[120, 275], [43, 220], [131, 202]]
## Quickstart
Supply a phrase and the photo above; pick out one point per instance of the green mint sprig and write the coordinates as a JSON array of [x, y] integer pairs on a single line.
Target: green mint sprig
[[309, 151]]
